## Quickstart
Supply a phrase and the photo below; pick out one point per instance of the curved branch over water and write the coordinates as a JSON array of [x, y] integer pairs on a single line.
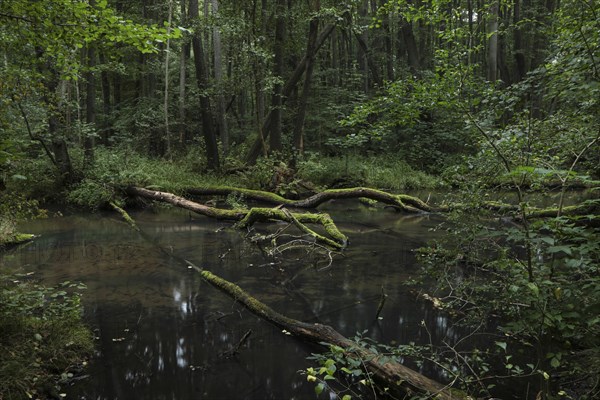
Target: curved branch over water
[[245, 218], [401, 202]]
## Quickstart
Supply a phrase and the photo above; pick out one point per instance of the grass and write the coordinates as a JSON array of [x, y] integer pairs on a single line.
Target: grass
[[381, 172]]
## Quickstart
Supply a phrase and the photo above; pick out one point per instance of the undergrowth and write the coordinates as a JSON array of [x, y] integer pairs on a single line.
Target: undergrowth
[[382, 172], [43, 341]]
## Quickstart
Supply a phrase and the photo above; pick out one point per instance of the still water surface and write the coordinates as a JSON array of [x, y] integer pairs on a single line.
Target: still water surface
[[162, 332]]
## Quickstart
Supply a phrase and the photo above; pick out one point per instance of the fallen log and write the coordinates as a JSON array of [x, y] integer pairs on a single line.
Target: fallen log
[[245, 218], [391, 374], [401, 202]]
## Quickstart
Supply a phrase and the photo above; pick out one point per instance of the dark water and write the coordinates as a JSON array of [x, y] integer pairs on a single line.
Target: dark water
[[162, 332]]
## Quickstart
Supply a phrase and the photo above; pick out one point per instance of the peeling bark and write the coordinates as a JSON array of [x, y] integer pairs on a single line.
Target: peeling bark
[[393, 375]]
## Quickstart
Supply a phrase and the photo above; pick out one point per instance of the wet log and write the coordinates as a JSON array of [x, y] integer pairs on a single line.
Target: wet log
[[336, 240], [401, 202], [391, 374]]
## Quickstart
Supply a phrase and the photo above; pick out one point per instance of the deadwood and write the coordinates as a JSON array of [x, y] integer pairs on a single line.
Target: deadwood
[[391, 374], [401, 202], [246, 218]]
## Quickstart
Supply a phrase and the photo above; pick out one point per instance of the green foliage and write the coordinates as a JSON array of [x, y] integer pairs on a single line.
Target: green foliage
[[540, 281], [384, 172], [42, 337], [14, 207], [117, 168]]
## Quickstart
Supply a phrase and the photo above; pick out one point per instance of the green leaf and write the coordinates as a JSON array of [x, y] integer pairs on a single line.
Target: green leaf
[[557, 249], [501, 345], [319, 388]]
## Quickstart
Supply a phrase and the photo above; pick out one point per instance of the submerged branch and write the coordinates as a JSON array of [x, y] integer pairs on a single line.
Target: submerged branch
[[392, 374]]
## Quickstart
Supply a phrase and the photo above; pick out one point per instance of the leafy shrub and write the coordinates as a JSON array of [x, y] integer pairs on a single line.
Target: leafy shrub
[[42, 337]]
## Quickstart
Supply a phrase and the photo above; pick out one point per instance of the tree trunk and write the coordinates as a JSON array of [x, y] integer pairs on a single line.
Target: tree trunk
[[106, 102], [310, 58], [492, 64], [166, 94], [287, 90], [335, 240], [370, 62], [185, 50], [275, 141], [398, 201], [519, 50], [410, 44], [90, 104], [392, 375], [218, 71], [210, 140]]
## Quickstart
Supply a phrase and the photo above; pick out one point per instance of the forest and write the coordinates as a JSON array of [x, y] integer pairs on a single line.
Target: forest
[[352, 199]]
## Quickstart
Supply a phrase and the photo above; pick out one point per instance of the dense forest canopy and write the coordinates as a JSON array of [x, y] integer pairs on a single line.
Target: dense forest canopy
[[101, 98], [418, 79]]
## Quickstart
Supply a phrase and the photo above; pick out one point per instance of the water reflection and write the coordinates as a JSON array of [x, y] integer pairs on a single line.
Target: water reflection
[[162, 333]]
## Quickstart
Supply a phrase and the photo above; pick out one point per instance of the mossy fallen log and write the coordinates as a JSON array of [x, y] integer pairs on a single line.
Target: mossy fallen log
[[336, 240], [16, 239], [401, 202], [393, 375], [588, 207]]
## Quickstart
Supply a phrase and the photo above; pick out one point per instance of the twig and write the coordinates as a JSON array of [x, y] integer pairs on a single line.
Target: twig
[[381, 303]]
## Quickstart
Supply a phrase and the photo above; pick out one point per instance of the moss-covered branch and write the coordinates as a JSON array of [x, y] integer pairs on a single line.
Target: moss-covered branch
[[394, 375], [400, 201], [245, 218]]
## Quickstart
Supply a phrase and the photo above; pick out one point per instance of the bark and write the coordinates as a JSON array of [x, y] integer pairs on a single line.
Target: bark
[[90, 103], [492, 65], [370, 62], [245, 218], [183, 57], [310, 52], [410, 44], [106, 102], [276, 98], [212, 150], [218, 71], [399, 201], [391, 374]]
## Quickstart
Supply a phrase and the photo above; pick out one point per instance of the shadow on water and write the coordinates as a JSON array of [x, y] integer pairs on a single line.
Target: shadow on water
[[162, 332]]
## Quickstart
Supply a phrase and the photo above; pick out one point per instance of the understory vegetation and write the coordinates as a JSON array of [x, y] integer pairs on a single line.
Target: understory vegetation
[[492, 106], [43, 340]]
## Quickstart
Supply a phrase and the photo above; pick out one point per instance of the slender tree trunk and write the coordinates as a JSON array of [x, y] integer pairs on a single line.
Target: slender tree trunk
[[389, 51], [90, 106], [310, 58], [276, 98], [166, 94], [185, 50], [363, 48], [370, 62], [218, 67], [90, 102], [519, 51], [106, 102], [210, 140], [492, 66]]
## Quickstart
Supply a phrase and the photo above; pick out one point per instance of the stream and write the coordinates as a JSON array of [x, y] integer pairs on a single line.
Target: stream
[[163, 333]]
